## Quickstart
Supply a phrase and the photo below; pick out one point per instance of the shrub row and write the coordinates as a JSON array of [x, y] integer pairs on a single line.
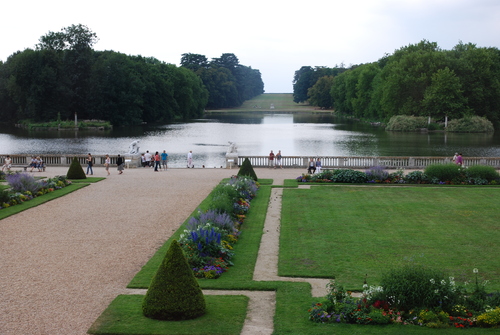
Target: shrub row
[[433, 174], [209, 238]]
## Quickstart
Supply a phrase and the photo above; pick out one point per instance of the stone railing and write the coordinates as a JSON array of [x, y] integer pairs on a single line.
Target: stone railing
[[334, 162], [65, 160]]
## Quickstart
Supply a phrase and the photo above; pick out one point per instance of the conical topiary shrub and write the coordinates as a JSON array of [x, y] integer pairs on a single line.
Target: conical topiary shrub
[[246, 169], [75, 170], [174, 293]]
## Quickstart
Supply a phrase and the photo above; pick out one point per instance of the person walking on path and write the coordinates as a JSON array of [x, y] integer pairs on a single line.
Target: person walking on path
[[157, 161], [278, 160], [459, 161], [7, 163], [89, 164], [119, 163], [164, 157], [107, 163], [271, 159], [454, 159], [190, 159]]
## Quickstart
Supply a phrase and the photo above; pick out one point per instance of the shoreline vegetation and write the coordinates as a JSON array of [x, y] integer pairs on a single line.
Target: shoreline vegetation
[[65, 125], [283, 103]]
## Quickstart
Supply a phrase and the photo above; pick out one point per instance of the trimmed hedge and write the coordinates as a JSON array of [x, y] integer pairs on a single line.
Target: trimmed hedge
[[174, 293], [75, 170]]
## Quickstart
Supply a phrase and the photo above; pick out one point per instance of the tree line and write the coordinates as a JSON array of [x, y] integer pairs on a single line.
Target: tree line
[[64, 76], [419, 79]]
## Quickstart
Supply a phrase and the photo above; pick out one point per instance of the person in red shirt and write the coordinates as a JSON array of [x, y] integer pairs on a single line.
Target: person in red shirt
[[271, 159]]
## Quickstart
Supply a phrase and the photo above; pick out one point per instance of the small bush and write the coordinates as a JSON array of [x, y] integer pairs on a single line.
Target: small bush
[[22, 182], [246, 169], [472, 124], [75, 170], [377, 173], [4, 197], [489, 319], [444, 172], [484, 172], [416, 177], [174, 293], [349, 176], [406, 123], [414, 287]]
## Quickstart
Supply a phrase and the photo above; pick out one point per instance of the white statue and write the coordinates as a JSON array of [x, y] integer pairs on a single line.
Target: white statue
[[232, 147], [133, 148]]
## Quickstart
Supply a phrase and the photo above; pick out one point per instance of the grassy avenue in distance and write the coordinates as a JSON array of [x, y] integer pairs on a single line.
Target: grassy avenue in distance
[[282, 102]]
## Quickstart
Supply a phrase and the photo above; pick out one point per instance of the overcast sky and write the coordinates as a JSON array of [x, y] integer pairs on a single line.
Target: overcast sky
[[273, 36]]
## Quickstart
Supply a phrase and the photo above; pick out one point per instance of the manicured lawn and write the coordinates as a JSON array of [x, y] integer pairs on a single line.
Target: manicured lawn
[[348, 232], [225, 315]]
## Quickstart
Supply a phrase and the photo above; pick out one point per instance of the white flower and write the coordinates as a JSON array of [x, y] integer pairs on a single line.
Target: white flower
[[452, 279], [443, 282], [436, 291], [475, 270], [432, 281]]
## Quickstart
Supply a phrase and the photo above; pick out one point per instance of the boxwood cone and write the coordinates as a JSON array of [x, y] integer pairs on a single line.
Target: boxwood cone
[[75, 170], [246, 169], [174, 293]]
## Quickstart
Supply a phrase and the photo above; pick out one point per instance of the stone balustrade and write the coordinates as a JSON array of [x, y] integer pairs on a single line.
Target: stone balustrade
[[352, 162], [332, 162]]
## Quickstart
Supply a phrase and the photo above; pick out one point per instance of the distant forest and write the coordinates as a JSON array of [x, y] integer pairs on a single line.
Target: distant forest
[[419, 80], [64, 76]]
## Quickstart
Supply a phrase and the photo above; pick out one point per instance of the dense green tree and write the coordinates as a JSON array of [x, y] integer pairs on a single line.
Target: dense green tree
[[302, 81], [117, 89], [319, 94], [227, 81], [444, 97], [194, 61], [74, 37], [363, 104]]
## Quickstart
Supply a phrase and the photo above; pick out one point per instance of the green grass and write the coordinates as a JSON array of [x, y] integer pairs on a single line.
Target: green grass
[[240, 275], [40, 200], [283, 102], [381, 211], [225, 315], [348, 232], [88, 180]]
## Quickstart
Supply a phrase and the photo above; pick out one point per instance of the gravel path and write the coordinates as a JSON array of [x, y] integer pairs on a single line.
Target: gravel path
[[63, 262]]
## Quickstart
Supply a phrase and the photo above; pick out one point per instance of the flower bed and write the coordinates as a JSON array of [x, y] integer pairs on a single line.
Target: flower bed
[[440, 174], [24, 187], [210, 236], [411, 296]]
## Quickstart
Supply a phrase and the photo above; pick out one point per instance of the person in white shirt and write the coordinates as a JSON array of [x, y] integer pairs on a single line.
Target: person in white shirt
[[148, 156], [190, 159]]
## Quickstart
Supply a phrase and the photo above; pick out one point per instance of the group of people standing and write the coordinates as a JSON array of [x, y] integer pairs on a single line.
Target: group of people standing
[[157, 161], [275, 160]]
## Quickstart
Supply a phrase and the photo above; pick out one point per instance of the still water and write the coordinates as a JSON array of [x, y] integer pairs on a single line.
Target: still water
[[255, 135]]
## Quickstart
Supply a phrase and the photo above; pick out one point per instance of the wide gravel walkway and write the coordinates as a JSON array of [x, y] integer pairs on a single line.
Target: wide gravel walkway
[[63, 262]]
